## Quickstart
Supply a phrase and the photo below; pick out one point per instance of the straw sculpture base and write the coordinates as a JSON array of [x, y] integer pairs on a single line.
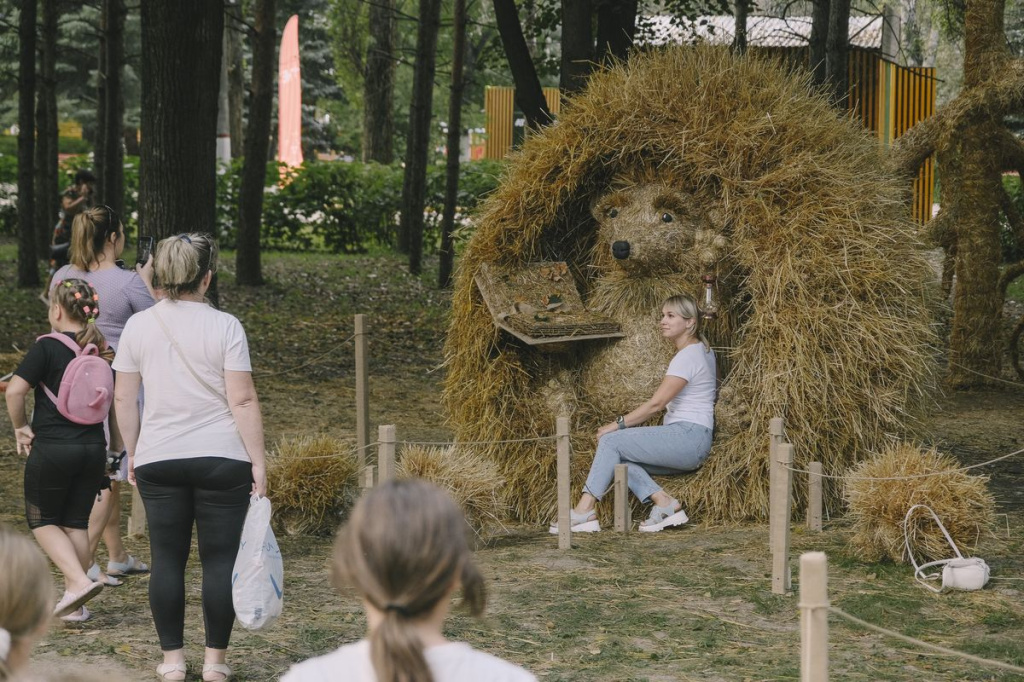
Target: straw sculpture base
[[705, 163]]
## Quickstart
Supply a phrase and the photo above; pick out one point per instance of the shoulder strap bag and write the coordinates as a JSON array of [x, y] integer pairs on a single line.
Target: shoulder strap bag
[[959, 573], [188, 365]]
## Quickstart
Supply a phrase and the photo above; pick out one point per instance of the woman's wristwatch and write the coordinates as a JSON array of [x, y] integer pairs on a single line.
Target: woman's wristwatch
[[621, 421]]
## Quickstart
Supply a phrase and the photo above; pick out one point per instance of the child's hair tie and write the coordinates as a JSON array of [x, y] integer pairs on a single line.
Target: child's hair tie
[[91, 320]]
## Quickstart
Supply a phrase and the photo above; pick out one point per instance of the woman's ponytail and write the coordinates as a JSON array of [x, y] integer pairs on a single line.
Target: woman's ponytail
[[90, 230], [397, 652]]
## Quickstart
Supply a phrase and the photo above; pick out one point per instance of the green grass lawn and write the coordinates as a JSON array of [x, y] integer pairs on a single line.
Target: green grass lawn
[[695, 604]]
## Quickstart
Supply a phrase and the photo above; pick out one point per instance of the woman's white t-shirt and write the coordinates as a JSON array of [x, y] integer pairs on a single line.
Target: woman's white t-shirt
[[182, 419], [449, 662], [696, 402]]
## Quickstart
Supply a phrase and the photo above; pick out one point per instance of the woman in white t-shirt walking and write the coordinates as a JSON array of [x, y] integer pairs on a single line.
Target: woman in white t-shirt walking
[[405, 551], [199, 452], [681, 444]]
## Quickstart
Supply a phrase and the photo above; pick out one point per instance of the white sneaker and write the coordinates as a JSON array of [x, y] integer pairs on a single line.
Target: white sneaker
[[579, 523], [664, 517]]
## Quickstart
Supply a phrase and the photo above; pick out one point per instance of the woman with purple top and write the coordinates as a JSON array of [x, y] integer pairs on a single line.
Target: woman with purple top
[[97, 240]]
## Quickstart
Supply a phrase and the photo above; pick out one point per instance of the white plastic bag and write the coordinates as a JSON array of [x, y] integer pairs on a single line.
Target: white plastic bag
[[257, 581]]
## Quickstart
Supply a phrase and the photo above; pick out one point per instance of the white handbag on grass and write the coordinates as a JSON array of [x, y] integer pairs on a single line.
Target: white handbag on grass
[[958, 573]]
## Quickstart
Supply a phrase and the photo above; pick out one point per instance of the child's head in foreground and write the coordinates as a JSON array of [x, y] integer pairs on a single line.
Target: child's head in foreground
[[405, 549], [26, 599]]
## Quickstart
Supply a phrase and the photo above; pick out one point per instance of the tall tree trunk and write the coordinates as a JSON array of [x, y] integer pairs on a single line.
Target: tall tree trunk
[[181, 52], [818, 40], [451, 187], [28, 267], [113, 113], [99, 142], [257, 142], [739, 13], [837, 51], [46, 200], [379, 84], [414, 181], [236, 77], [577, 46], [529, 94], [616, 26]]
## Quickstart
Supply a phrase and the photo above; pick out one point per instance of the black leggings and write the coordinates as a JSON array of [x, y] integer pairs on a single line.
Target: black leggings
[[61, 483], [213, 492]]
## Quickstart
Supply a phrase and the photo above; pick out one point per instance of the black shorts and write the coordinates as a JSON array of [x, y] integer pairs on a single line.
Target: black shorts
[[61, 483]]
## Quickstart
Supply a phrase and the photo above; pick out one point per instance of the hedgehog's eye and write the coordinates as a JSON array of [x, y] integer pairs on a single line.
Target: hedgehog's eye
[[666, 217], [612, 212]]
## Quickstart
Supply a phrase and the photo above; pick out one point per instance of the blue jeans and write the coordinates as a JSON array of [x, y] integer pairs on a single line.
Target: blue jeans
[[660, 450]]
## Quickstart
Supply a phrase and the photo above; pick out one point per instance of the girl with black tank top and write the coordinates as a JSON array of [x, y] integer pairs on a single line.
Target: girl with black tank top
[[65, 460]]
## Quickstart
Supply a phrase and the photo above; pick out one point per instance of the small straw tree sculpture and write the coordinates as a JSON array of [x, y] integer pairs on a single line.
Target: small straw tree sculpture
[[824, 314]]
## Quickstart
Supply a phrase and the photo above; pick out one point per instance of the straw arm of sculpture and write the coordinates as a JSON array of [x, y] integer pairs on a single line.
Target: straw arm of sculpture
[[999, 95]]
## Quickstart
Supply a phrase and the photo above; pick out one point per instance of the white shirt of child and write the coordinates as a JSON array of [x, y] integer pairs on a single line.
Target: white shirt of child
[[449, 662], [696, 402], [182, 419]]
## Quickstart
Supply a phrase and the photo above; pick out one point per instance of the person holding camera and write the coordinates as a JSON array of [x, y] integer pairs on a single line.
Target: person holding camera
[[97, 240], [75, 199]]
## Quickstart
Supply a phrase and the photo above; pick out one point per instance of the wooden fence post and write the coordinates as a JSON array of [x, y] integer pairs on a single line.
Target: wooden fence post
[[563, 449], [367, 478], [814, 481], [775, 428], [385, 453], [813, 617], [362, 392], [780, 513], [623, 522], [137, 521]]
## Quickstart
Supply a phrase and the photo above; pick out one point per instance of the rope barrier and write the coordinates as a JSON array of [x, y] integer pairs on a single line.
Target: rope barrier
[[986, 376], [354, 451], [305, 364], [905, 478], [925, 645], [476, 442]]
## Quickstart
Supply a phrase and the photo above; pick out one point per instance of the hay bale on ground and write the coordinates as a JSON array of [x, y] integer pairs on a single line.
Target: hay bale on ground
[[878, 507], [822, 287], [312, 481], [472, 481]]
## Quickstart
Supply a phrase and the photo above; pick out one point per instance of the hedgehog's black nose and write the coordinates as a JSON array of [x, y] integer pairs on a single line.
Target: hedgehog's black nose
[[620, 250]]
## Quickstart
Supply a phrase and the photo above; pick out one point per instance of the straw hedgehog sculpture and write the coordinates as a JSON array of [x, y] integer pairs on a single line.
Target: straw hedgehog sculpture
[[823, 314]]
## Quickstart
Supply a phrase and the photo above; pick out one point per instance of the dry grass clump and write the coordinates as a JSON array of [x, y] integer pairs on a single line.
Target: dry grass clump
[[823, 285], [878, 507], [312, 481], [473, 482]]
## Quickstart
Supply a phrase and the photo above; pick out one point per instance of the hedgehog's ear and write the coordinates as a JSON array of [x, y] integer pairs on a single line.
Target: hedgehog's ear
[[601, 205]]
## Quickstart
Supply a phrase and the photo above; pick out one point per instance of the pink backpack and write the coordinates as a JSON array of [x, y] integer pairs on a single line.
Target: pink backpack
[[87, 388]]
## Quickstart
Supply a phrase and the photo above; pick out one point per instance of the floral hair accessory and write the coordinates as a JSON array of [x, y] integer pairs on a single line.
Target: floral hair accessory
[[95, 297], [78, 295], [66, 283]]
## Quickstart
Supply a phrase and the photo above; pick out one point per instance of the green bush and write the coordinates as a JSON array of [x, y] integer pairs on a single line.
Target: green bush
[[324, 206], [65, 145], [347, 207]]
